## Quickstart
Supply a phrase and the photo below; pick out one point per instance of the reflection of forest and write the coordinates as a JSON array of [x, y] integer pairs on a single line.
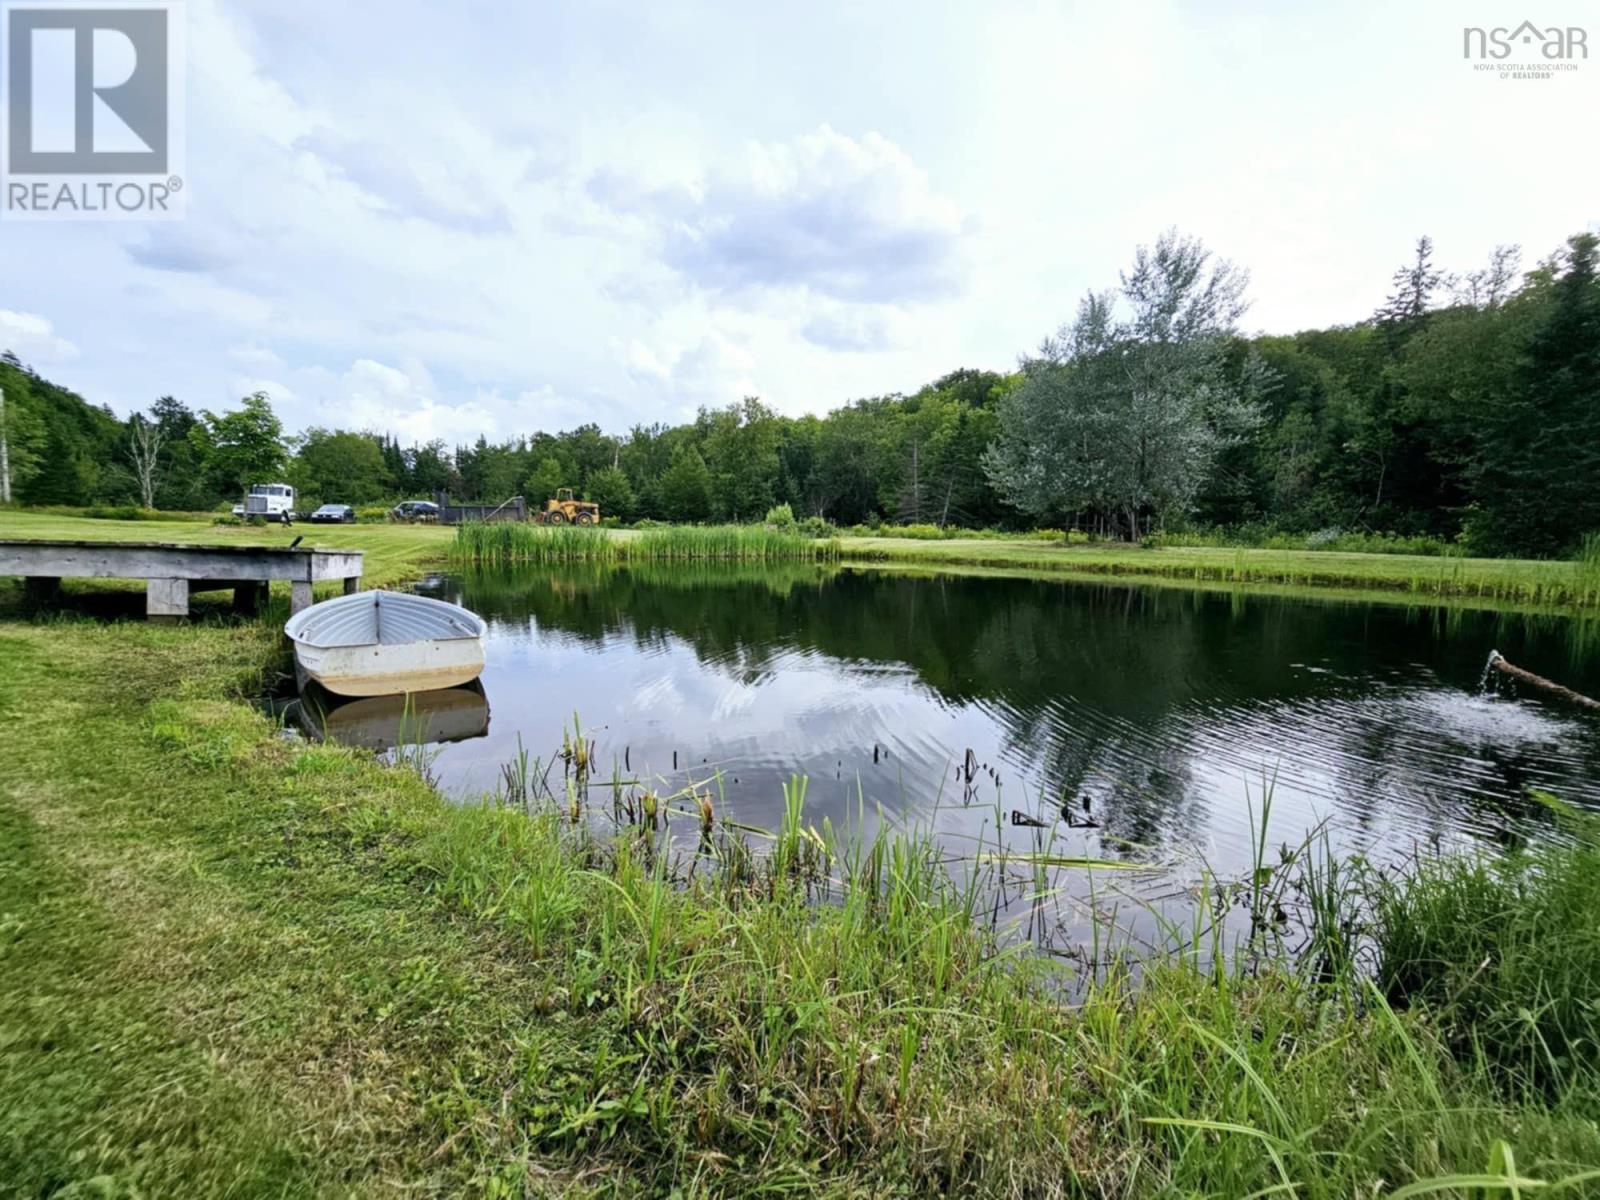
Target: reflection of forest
[[1128, 694]]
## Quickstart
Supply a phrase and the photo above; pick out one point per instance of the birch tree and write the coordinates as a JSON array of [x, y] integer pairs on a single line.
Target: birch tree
[[145, 441]]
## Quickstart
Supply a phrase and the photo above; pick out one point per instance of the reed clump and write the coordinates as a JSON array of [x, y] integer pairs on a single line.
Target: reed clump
[[497, 542], [503, 542], [730, 543]]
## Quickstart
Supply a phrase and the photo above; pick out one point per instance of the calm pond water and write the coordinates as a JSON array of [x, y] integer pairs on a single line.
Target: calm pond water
[[1168, 709]]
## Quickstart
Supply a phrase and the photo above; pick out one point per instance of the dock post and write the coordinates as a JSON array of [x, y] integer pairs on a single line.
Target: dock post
[[166, 599], [41, 591], [352, 584], [249, 597], [299, 595]]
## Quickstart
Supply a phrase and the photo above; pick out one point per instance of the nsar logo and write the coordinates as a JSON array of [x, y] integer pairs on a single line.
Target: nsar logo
[[1554, 43]]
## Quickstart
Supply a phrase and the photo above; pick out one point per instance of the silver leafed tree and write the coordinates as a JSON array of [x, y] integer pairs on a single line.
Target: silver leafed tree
[[1122, 412]]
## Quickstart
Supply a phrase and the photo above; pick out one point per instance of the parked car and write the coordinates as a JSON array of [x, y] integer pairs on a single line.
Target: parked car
[[334, 514], [415, 510]]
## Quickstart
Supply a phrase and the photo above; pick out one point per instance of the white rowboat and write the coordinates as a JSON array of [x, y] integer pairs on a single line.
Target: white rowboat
[[387, 643]]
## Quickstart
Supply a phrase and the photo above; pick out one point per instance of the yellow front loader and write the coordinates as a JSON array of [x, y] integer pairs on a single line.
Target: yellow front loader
[[563, 509]]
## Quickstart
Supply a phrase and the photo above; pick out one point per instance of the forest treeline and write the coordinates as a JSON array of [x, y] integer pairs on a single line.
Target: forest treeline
[[1466, 406]]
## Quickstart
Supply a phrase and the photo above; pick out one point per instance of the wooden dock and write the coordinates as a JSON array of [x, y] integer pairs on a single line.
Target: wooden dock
[[172, 573]]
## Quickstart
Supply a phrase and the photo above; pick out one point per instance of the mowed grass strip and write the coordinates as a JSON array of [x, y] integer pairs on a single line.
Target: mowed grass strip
[[215, 986], [1513, 582]]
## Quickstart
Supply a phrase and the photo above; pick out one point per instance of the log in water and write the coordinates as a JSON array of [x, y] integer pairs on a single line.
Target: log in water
[[1498, 662]]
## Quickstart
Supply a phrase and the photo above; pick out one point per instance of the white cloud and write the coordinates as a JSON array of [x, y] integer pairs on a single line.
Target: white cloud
[[406, 183], [715, 370], [853, 328], [850, 218], [256, 357], [32, 338], [183, 247], [282, 396]]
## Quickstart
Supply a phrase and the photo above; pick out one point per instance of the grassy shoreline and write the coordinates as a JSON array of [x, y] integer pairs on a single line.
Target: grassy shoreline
[[313, 975], [243, 965], [394, 550], [1546, 584]]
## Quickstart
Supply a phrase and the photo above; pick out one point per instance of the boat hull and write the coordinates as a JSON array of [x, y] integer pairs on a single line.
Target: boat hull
[[386, 643], [390, 670], [384, 722]]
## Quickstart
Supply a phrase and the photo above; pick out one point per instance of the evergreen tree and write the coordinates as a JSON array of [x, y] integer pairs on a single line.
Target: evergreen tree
[[610, 489], [1539, 460], [543, 483], [1415, 286], [686, 487]]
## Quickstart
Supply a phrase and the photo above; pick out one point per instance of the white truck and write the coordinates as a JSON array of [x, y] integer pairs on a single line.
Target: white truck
[[269, 502]]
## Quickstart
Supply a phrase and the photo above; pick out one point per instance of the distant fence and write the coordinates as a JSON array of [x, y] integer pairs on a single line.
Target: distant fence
[[514, 509]]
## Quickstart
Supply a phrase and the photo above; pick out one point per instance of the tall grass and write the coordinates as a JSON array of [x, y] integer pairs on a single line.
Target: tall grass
[[1504, 957], [510, 542], [1589, 564], [739, 543], [1332, 539], [887, 1039], [491, 542]]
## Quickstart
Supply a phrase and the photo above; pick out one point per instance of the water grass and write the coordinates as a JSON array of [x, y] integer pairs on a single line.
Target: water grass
[[1588, 561], [507, 542], [888, 1034]]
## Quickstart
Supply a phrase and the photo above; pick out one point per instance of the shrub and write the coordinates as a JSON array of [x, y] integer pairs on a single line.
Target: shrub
[[780, 516], [1260, 537]]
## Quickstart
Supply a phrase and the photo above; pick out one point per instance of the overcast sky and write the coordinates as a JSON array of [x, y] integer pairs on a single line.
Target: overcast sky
[[446, 220]]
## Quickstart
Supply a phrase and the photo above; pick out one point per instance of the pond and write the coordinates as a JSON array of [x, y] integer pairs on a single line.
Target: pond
[[1139, 723]]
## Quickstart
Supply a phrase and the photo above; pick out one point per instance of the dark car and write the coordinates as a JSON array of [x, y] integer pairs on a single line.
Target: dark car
[[415, 510], [334, 514]]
